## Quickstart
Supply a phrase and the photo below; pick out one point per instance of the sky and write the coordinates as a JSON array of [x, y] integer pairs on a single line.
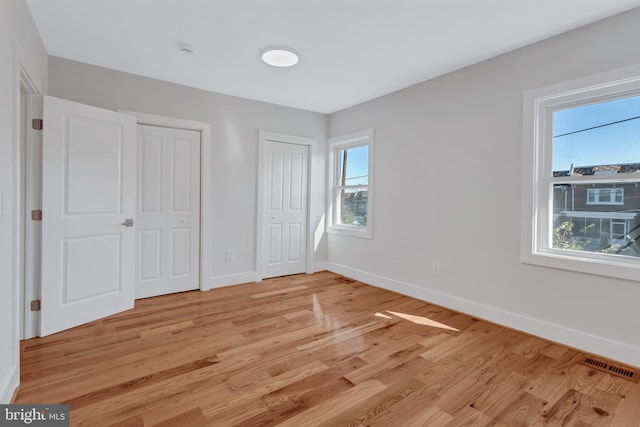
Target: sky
[[357, 165], [610, 144]]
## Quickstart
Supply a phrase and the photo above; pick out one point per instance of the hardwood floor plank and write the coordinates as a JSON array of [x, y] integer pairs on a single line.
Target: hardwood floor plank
[[522, 411], [283, 291], [341, 336], [412, 406], [362, 413], [628, 413], [310, 350], [500, 396], [337, 405], [140, 382], [190, 418], [316, 388], [427, 417]]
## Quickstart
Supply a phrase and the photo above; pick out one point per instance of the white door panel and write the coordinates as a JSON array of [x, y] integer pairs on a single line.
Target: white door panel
[[295, 239], [168, 219], [285, 216], [150, 254], [88, 191], [151, 174]]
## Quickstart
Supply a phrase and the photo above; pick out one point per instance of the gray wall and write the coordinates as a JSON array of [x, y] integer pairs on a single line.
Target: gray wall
[[235, 124], [20, 46], [448, 180]]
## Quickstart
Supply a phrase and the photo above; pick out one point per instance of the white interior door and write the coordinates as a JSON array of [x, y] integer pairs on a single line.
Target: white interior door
[[285, 209], [88, 193], [168, 212]]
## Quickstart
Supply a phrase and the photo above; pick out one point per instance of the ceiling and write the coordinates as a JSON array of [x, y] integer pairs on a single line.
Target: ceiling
[[350, 50]]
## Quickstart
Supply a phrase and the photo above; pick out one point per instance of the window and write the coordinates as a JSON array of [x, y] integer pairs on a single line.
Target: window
[[581, 175], [350, 162], [605, 196]]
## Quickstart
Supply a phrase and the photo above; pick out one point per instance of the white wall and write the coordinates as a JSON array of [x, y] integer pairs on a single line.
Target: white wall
[[19, 44], [447, 174], [234, 164]]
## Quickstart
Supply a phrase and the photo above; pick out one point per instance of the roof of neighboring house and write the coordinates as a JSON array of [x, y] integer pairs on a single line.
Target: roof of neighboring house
[[593, 170], [358, 195]]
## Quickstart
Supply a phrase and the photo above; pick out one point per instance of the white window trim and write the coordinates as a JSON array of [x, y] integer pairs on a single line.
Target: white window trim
[[356, 139], [537, 173]]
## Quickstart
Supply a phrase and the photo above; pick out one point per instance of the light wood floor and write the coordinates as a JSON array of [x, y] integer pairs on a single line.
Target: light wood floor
[[314, 350]]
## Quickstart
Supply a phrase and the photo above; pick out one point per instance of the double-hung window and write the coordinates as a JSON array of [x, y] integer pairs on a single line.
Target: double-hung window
[[581, 175], [350, 184]]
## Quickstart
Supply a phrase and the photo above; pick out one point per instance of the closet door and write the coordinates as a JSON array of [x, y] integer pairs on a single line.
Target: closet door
[[168, 211]]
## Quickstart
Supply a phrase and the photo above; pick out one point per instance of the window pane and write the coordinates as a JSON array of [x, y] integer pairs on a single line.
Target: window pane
[[354, 166], [597, 218], [353, 207], [597, 139]]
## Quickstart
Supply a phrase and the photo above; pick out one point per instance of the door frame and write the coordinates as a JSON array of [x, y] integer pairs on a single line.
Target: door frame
[[263, 138], [32, 239], [206, 180], [26, 248]]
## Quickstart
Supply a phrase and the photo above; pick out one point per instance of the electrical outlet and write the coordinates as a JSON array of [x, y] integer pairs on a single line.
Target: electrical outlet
[[436, 269], [228, 255]]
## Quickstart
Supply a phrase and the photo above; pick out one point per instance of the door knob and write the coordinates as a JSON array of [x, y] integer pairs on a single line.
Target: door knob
[[128, 222]]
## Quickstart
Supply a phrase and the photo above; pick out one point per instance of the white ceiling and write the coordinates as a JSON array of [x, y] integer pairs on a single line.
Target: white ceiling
[[350, 50]]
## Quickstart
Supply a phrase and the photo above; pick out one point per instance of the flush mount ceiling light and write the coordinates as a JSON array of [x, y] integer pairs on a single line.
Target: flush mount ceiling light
[[186, 49], [280, 57]]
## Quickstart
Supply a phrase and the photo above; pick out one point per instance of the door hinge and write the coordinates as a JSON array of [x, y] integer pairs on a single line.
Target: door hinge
[[35, 305], [37, 124], [36, 215]]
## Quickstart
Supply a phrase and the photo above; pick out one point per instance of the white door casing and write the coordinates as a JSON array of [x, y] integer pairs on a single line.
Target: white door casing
[[88, 193], [33, 232], [284, 207], [168, 211]]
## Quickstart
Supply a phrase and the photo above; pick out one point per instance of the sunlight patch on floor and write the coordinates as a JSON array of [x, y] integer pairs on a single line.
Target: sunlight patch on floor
[[419, 320], [383, 316]]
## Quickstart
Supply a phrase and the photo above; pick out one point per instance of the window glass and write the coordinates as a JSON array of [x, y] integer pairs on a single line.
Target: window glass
[[353, 167], [599, 140], [353, 177]]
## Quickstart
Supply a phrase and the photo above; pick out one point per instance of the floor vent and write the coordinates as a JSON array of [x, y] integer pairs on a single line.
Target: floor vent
[[344, 280], [617, 370]]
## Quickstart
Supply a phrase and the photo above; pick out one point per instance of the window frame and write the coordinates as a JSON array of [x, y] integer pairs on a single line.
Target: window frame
[[352, 140], [538, 180]]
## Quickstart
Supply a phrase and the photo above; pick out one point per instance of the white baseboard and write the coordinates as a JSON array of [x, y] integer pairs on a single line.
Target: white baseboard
[[232, 279], [9, 385], [598, 345], [252, 276]]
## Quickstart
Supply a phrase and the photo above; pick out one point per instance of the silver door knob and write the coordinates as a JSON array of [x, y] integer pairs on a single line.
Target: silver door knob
[[128, 222]]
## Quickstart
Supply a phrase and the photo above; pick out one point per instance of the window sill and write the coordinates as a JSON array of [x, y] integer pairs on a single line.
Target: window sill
[[621, 267], [350, 231]]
